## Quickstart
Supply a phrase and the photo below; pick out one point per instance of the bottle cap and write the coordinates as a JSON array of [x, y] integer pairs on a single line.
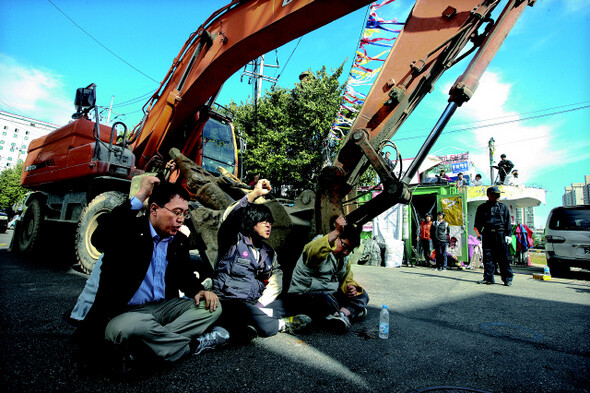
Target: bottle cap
[[385, 306]]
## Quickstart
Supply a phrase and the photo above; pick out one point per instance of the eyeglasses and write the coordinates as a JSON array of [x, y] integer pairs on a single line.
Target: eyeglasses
[[179, 213], [345, 247]]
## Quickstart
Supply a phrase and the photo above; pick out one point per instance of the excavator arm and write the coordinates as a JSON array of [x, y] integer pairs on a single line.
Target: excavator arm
[[230, 38], [433, 39], [436, 36]]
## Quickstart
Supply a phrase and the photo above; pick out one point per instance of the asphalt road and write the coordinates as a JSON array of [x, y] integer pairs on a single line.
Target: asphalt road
[[446, 330]]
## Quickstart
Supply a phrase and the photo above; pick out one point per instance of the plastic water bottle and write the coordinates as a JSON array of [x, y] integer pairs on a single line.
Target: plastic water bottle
[[546, 271], [384, 323]]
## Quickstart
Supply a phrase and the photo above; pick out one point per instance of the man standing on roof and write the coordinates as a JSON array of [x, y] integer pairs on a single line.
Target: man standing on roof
[[492, 226], [504, 168]]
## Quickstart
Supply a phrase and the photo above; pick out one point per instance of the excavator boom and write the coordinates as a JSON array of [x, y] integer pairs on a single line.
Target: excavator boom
[[229, 39]]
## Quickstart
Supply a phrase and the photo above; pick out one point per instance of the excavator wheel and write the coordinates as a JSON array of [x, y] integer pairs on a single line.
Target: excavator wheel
[[29, 231], [103, 203]]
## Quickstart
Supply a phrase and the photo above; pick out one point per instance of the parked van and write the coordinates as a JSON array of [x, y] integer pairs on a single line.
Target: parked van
[[567, 236]]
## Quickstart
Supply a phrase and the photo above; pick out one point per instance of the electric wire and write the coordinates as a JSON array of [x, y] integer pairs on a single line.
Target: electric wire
[[99, 43], [287, 62], [502, 122], [135, 100]]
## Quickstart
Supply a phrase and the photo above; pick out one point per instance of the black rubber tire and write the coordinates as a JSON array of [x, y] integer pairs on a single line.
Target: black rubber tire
[[86, 253], [29, 234], [558, 270]]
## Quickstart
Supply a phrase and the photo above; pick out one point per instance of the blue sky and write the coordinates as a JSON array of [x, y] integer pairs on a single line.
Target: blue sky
[[542, 68]]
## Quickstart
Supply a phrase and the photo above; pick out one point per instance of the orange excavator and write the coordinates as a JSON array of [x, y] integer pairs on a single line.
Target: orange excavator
[[84, 169]]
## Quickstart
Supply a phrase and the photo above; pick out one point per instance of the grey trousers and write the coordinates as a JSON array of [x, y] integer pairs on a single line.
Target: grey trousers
[[165, 328]]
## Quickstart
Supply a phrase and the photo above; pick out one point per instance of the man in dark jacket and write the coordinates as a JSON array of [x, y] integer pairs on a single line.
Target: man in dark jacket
[[145, 264], [493, 225], [504, 168], [440, 236]]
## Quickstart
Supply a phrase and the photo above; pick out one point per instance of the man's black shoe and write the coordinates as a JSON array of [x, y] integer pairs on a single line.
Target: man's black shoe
[[485, 282], [508, 283]]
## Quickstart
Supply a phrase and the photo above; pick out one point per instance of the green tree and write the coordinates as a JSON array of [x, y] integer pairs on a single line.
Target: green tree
[[286, 132], [10, 189]]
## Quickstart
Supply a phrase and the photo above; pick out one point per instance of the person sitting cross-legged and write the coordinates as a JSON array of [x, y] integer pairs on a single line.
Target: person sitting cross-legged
[[323, 285], [248, 277], [136, 307]]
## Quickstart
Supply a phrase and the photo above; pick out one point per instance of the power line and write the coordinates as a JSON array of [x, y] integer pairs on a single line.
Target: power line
[[134, 100], [287, 62], [99, 43], [503, 122], [507, 116]]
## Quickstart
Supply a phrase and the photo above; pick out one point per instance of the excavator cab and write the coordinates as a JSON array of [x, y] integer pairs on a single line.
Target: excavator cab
[[219, 145], [85, 100]]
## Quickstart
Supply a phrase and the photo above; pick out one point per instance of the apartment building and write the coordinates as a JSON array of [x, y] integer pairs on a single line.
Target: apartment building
[[577, 193], [16, 132]]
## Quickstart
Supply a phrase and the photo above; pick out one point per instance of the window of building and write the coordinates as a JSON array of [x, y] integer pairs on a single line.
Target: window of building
[[4, 132], [1, 147], [26, 138], [13, 144], [9, 158], [1, 142], [16, 130]]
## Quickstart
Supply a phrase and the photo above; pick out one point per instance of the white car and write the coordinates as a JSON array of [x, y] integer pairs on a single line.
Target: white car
[[567, 236]]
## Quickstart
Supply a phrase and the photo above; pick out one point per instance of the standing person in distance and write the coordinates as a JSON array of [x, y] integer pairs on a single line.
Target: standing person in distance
[[440, 233], [425, 237], [492, 226]]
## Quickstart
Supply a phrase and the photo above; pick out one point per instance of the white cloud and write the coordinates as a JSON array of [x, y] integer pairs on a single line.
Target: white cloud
[[33, 92], [528, 147]]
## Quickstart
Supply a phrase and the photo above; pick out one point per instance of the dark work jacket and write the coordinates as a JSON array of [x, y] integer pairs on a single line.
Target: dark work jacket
[[126, 242], [493, 216], [440, 232], [239, 275]]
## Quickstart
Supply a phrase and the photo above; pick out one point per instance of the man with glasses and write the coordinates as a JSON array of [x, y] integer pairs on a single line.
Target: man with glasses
[[323, 286], [145, 263]]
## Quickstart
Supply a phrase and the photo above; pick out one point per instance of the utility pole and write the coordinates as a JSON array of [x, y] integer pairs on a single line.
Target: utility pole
[[110, 108], [256, 76], [492, 149]]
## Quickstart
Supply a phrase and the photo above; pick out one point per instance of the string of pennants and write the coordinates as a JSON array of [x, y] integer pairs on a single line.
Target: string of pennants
[[365, 67]]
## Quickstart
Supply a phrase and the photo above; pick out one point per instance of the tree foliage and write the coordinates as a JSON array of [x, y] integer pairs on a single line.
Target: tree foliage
[[10, 189], [286, 132]]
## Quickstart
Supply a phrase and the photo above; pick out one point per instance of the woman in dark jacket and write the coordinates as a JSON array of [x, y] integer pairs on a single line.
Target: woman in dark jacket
[[247, 275]]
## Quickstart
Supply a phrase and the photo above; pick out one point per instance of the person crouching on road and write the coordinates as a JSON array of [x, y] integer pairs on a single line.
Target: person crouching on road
[[247, 275], [145, 263], [493, 227], [440, 235], [323, 283]]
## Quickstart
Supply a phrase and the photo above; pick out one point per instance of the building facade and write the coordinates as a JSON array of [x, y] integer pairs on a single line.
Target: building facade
[[16, 132], [577, 193], [526, 216]]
